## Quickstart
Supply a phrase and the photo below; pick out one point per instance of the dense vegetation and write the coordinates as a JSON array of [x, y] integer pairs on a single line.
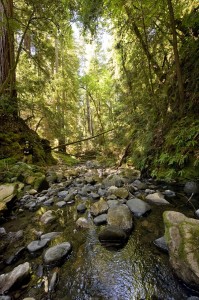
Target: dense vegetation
[[56, 75]]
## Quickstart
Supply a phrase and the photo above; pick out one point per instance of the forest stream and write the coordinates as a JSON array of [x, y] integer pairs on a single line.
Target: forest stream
[[136, 270]]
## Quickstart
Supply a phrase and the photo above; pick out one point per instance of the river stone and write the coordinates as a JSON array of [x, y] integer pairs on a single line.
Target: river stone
[[81, 208], [140, 185], [5, 298], [16, 277], [47, 217], [32, 192], [62, 194], [113, 203], [113, 180], [161, 244], [157, 198], [99, 207], [101, 219], [7, 193], [138, 207], [37, 245], [29, 298], [50, 235], [69, 197], [193, 298], [2, 231], [181, 234], [112, 236], [191, 187], [118, 192], [95, 196], [121, 217], [54, 254], [61, 203], [49, 202], [82, 223]]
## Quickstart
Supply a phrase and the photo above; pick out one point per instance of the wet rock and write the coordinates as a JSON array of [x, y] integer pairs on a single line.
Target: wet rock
[[99, 207], [29, 298], [51, 235], [191, 187], [56, 253], [37, 245], [138, 207], [101, 219], [82, 223], [161, 244], [121, 217], [157, 198], [81, 208], [14, 278], [47, 217], [12, 259], [53, 280], [193, 298], [181, 235], [41, 199], [169, 193], [112, 236], [5, 298], [15, 236]]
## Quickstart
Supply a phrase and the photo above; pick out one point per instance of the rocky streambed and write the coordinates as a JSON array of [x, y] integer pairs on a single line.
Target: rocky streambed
[[99, 233]]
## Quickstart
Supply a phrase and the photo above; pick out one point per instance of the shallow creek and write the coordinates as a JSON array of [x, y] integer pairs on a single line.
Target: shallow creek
[[137, 271]]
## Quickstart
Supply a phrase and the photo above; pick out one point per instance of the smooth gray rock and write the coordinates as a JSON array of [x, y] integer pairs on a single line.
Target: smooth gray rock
[[101, 219], [138, 207], [49, 202], [5, 298], [69, 197], [54, 254], [37, 245], [113, 203], [81, 208], [61, 203], [2, 231], [51, 235], [113, 180], [140, 185], [15, 277]]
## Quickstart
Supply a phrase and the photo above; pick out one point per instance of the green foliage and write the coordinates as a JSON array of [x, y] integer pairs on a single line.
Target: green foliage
[[178, 157], [65, 158]]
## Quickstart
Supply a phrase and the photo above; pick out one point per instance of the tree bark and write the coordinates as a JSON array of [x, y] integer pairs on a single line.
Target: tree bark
[[176, 54], [7, 58]]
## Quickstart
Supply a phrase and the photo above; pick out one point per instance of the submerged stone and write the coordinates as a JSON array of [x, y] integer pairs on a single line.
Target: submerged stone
[[56, 253]]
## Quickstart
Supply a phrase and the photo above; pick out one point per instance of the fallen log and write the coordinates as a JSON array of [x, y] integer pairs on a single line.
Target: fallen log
[[85, 139]]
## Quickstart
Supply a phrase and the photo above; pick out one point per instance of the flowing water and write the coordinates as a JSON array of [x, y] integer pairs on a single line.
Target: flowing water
[[139, 270]]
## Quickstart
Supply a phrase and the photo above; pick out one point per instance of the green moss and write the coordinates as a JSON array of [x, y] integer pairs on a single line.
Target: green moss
[[67, 159]]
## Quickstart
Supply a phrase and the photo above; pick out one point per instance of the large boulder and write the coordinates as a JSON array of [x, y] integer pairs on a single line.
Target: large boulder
[[113, 180], [181, 234], [121, 217], [14, 278], [7, 193]]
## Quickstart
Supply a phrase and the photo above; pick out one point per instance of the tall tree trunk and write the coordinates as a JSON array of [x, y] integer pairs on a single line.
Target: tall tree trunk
[[176, 55], [60, 113], [7, 59]]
